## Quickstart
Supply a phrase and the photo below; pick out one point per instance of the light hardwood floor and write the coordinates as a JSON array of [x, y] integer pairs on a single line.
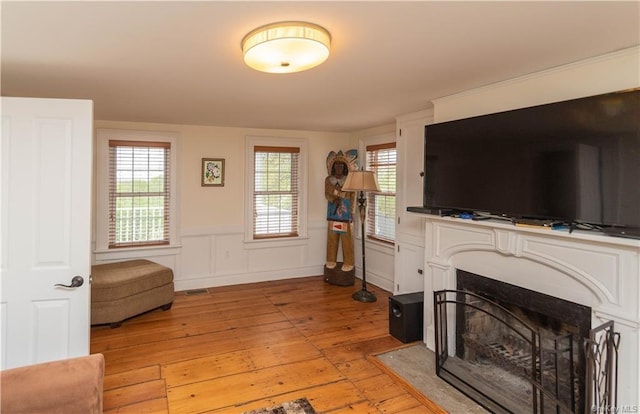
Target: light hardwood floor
[[237, 348]]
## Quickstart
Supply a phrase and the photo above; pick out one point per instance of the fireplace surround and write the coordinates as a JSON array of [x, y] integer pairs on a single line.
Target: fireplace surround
[[591, 269]]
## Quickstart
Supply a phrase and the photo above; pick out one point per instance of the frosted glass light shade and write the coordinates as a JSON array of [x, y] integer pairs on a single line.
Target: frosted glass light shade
[[361, 181], [286, 47]]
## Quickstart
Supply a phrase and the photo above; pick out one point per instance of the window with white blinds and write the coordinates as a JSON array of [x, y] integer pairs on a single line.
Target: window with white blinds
[[381, 206], [139, 193], [276, 192]]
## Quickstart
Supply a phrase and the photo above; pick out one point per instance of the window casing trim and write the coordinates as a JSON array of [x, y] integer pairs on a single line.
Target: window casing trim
[[252, 143], [103, 136], [381, 140], [380, 166]]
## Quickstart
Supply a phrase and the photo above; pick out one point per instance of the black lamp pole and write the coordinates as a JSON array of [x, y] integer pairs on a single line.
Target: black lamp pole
[[363, 295]]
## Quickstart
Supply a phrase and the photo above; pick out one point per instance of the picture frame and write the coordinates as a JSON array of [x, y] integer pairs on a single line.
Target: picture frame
[[212, 174]]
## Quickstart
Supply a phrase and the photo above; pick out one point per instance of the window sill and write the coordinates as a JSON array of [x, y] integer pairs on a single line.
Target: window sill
[[136, 252], [380, 241], [276, 242], [377, 244]]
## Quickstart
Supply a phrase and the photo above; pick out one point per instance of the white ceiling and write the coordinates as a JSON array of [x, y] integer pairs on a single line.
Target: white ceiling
[[180, 62]]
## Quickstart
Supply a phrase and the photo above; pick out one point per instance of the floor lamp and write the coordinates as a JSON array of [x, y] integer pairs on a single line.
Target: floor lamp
[[362, 181]]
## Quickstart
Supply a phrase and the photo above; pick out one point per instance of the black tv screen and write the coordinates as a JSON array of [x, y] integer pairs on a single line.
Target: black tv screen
[[573, 161]]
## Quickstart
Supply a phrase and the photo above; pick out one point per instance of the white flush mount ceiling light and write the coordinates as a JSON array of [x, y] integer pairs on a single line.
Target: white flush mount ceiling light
[[286, 47]]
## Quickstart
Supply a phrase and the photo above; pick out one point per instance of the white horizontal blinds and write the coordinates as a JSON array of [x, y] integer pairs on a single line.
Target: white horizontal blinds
[[139, 193], [275, 192], [381, 211]]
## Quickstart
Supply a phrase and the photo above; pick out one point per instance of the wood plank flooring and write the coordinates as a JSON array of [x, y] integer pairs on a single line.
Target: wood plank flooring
[[238, 348]]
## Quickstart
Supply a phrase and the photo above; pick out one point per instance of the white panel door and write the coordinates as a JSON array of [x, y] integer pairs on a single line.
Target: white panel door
[[46, 154]]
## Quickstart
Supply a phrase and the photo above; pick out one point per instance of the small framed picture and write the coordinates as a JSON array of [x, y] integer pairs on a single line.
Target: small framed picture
[[213, 172]]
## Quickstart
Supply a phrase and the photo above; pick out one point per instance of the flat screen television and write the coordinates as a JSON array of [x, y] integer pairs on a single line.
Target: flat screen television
[[575, 161]]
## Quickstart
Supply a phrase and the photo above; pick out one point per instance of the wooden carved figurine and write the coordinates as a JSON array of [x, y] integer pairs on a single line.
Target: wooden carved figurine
[[340, 209]]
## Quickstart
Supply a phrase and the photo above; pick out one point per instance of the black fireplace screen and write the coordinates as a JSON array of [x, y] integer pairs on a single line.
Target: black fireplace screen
[[507, 363]]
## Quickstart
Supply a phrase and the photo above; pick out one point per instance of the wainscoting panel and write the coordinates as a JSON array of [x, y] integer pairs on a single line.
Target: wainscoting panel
[[220, 256], [229, 254], [195, 256], [210, 257], [380, 264], [270, 258]]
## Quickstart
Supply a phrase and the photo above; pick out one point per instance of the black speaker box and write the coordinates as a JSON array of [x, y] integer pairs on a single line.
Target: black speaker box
[[406, 315]]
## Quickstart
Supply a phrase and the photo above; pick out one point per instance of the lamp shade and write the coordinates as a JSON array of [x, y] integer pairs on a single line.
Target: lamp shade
[[286, 47], [361, 181]]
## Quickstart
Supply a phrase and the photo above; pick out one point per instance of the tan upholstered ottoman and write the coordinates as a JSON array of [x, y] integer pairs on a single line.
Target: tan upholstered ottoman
[[125, 289]]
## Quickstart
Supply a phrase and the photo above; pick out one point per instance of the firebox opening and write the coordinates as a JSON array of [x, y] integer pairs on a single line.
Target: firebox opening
[[506, 335]]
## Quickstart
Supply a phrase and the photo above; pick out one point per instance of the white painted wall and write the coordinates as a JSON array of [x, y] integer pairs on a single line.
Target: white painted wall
[[607, 73], [211, 231]]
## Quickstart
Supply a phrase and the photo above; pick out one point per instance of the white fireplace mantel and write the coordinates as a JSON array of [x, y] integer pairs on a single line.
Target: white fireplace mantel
[[591, 269]]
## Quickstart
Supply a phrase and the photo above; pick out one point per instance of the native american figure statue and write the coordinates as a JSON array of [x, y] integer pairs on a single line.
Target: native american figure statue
[[340, 208]]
